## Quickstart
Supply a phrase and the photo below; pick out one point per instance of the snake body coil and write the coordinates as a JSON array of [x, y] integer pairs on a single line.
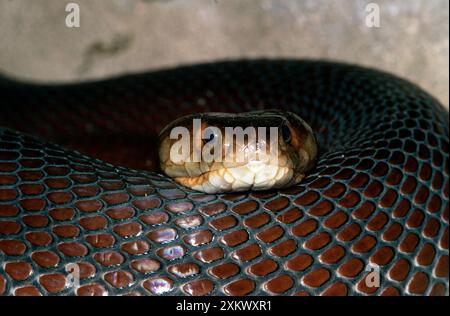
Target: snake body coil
[[377, 197]]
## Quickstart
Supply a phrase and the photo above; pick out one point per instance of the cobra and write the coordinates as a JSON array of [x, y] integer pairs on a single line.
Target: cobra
[[249, 162], [79, 185]]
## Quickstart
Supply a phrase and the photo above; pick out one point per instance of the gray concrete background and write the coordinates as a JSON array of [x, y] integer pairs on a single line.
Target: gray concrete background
[[123, 36]]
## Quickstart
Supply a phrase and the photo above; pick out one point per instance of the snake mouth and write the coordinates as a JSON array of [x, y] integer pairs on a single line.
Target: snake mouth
[[242, 178]]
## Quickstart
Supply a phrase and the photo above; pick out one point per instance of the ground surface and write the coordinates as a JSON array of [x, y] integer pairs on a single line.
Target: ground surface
[[118, 36]]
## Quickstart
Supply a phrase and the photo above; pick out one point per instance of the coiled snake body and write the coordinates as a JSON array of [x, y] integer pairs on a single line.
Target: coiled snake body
[[377, 199]]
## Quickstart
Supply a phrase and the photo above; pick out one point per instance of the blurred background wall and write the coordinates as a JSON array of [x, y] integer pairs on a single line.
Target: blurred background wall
[[119, 36]]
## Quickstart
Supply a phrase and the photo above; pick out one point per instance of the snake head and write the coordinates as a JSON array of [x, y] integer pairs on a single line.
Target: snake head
[[226, 152]]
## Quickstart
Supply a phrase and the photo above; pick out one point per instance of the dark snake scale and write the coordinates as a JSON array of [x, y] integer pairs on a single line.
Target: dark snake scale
[[379, 194]]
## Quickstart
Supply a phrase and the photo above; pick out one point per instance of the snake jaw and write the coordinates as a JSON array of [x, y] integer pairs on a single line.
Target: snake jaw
[[241, 178]]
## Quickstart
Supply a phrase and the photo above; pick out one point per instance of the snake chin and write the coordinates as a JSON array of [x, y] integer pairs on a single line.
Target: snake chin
[[243, 178]]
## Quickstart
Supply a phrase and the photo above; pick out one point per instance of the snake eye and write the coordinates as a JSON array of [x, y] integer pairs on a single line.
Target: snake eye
[[209, 136], [286, 133]]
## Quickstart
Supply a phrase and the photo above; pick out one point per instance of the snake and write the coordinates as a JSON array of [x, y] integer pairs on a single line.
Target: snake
[[89, 206], [264, 160]]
